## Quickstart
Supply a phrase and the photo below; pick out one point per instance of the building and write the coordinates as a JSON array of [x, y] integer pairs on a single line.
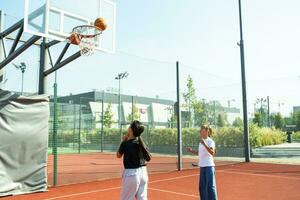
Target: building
[[152, 111], [296, 109], [232, 114]]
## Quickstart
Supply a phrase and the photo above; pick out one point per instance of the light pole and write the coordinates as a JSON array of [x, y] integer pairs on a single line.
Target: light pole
[[119, 77], [265, 105], [229, 102], [279, 106], [21, 67], [170, 110], [244, 91]]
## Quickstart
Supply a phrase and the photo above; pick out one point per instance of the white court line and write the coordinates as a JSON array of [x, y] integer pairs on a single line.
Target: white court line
[[261, 175], [177, 193], [260, 171], [170, 179], [82, 193], [114, 188]]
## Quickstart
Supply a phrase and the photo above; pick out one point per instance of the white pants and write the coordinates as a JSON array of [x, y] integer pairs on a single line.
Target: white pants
[[134, 184]]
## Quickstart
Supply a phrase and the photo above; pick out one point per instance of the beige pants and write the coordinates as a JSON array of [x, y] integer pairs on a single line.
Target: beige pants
[[134, 184]]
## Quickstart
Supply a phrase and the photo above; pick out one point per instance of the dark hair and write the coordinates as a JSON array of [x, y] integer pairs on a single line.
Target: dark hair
[[210, 132], [137, 129], [208, 129], [205, 127]]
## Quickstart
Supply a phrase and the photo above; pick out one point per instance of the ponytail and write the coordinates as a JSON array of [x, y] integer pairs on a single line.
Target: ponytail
[[137, 129], [210, 132], [144, 149]]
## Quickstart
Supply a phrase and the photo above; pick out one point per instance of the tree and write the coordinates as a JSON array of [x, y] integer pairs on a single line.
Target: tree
[[199, 114], [212, 110], [289, 120], [190, 99], [258, 120], [199, 111], [238, 122], [297, 119], [278, 121], [136, 114], [220, 121], [172, 121], [108, 117], [261, 114]]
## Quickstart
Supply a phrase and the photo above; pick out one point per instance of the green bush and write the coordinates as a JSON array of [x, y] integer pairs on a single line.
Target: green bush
[[224, 137], [161, 137], [228, 137], [254, 135], [271, 136], [265, 136], [296, 136], [190, 136]]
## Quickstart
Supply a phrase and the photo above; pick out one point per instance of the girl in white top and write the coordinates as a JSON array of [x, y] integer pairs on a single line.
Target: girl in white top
[[206, 151]]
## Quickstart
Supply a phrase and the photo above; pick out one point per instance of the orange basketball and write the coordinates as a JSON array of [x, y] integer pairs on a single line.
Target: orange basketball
[[74, 39], [100, 23]]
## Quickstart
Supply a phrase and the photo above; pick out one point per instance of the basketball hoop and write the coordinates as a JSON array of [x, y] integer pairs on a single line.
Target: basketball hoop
[[87, 38]]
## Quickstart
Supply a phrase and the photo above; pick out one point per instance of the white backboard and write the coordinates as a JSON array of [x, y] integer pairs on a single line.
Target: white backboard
[[55, 19]]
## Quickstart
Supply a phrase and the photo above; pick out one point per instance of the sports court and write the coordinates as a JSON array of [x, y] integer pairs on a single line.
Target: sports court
[[75, 75], [236, 180]]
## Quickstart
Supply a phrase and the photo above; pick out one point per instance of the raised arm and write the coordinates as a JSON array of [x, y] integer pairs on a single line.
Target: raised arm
[[120, 151], [189, 149]]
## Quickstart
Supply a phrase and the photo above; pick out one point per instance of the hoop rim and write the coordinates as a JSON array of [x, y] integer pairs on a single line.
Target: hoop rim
[[75, 30]]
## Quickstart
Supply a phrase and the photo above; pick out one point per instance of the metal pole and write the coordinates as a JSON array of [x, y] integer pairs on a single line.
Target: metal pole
[[55, 137], [132, 108], [102, 120], [179, 139], [244, 91], [42, 67], [215, 123], [20, 50], [62, 63], [74, 122], [268, 101], [2, 50], [120, 108], [22, 82], [79, 128]]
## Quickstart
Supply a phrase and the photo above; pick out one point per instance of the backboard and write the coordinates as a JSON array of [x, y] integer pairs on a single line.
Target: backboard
[[55, 19]]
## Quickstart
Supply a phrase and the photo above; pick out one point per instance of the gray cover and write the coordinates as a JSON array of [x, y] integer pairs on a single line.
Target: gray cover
[[23, 143]]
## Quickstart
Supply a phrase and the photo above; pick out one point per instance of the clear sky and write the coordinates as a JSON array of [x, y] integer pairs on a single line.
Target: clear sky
[[202, 35]]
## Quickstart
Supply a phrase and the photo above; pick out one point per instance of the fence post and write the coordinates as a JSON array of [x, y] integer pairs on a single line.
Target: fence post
[[54, 136]]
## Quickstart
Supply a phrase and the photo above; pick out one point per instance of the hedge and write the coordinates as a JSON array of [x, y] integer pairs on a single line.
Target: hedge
[[224, 137]]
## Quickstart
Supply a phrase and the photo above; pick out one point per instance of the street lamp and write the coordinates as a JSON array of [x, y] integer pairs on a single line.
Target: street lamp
[[263, 103], [279, 106], [119, 77], [244, 91], [170, 110], [229, 102], [21, 67]]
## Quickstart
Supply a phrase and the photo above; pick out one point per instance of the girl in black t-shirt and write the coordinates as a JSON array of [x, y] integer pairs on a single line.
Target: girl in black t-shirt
[[135, 155]]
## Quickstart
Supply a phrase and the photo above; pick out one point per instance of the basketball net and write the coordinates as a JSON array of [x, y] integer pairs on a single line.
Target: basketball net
[[89, 37]]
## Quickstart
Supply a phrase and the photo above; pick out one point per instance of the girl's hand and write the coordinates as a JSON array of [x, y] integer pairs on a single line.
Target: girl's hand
[[125, 137], [189, 149]]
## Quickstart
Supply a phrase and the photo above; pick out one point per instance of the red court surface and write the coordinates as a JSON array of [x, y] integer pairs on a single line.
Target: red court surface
[[241, 181], [79, 168]]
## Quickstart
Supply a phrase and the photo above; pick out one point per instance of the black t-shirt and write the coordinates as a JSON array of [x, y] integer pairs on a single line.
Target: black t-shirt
[[133, 157]]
